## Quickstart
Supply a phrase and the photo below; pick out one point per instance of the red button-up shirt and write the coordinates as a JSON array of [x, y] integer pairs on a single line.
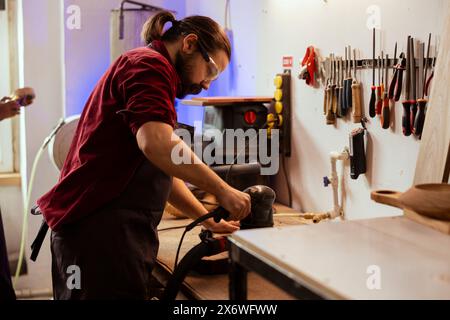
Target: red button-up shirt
[[139, 87]]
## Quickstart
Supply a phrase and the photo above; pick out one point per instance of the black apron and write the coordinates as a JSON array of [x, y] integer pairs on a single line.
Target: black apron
[[6, 288], [114, 248]]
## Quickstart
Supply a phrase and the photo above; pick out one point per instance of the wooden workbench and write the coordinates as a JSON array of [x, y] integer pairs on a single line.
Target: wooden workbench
[[213, 287]]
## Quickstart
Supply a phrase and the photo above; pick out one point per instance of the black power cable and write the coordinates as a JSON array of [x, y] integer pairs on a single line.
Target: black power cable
[[218, 214], [171, 228]]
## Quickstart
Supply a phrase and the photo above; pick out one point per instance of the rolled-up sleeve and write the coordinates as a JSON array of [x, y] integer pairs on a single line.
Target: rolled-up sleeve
[[148, 89]]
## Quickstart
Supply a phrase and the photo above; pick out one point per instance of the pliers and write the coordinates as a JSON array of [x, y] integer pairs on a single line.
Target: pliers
[[395, 89]]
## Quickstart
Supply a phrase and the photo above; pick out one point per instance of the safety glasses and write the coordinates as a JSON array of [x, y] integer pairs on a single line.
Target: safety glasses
[[213, 69]]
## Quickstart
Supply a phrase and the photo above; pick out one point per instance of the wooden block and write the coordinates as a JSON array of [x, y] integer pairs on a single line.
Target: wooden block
[[439, 225], [10, 179], [233, 99], [222, 101]]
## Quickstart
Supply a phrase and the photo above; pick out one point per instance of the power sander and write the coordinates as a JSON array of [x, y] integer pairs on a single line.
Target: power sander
[[261, 213], [261, 216]]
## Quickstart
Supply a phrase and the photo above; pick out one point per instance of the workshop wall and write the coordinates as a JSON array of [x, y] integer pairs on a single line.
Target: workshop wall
[[266, 30], [87, 49]]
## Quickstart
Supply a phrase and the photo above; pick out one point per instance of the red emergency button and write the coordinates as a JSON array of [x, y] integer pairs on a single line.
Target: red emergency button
[[250, 117]]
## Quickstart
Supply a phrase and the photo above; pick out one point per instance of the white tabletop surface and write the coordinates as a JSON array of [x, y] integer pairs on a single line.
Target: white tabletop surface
[[398, 258]]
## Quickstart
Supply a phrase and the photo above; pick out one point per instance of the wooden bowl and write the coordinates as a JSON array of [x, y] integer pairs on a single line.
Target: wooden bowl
[[431, 200]]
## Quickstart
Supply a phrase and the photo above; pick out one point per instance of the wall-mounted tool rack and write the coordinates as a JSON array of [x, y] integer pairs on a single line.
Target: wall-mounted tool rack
[[362, 64]]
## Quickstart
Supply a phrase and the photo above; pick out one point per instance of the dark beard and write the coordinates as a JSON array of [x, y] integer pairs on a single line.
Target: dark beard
[[184, 68]]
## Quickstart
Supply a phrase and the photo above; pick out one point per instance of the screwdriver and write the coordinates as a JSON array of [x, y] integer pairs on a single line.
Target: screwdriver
[[406, 119], [385, 115], [380, 87], [339, 89], [343, 66], [344, 84], [413, 85], [348, 84], [422, 102], [325, 96], [373, 88], [331, 117], [327, 87], [356, 94], [334, 87]]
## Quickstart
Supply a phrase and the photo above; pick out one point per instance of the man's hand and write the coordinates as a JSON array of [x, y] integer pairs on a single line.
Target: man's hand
[[8, 109], [24, 96], [237, 203], [222, 227]]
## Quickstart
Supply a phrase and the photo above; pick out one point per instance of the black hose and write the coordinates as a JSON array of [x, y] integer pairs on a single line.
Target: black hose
[[208, 247], [179, 247]]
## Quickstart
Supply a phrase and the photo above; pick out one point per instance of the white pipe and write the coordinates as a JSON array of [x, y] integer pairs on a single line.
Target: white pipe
[[341, 183], [338, 210]]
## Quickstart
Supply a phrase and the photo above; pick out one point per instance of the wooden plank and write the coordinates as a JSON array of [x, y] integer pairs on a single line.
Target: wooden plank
[[10, 179], [234, 99], [435, 144], [222, 101]]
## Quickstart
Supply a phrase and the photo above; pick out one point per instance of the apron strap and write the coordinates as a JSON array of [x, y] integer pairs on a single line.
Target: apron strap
[[37, 243]]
